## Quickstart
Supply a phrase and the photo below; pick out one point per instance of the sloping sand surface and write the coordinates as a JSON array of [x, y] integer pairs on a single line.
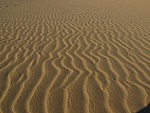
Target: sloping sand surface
[[74, 56]]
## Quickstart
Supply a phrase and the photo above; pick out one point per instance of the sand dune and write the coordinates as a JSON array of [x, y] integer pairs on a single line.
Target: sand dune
[[74, 56]]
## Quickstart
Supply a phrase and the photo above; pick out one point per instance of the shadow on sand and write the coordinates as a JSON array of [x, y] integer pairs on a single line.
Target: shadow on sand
[[145, 110]]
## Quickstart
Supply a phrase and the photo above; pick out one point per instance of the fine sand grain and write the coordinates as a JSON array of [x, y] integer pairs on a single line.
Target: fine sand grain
[[74, 56]]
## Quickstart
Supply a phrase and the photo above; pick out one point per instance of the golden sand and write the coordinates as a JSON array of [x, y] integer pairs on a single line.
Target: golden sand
[[74, 56]]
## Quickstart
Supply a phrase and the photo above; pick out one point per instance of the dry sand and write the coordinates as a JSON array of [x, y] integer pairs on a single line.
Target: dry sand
[[74, 56]]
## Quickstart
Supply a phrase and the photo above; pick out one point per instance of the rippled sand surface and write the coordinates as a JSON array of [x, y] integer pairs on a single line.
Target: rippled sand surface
[[74, 56]]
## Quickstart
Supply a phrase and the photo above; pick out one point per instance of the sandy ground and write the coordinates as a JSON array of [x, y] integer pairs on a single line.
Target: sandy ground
[[74, 56]]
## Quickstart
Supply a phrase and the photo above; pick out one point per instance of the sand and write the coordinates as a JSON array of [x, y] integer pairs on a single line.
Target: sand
[[74, 56]]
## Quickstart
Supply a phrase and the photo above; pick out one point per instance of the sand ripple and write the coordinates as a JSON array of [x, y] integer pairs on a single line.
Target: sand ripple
[[74, 56]]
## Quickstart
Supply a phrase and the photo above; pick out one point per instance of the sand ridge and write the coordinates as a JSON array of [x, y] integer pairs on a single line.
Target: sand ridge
[[71, 56]]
